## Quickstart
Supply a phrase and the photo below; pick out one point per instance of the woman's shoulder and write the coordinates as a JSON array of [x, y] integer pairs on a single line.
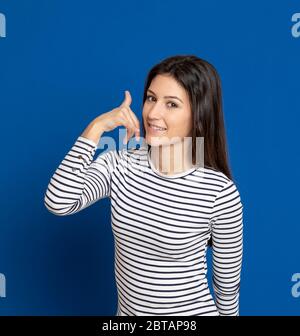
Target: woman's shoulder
[[214, 174], [219, 179]]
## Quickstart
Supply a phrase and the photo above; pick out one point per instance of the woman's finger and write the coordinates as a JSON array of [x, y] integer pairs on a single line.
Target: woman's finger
[[129, 124], [126, 107], [134, 121]]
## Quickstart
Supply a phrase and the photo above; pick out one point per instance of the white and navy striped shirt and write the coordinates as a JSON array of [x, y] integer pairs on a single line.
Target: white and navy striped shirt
[[161, 226]]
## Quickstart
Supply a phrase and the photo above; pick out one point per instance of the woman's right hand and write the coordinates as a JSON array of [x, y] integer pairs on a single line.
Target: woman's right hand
[[119, 116]]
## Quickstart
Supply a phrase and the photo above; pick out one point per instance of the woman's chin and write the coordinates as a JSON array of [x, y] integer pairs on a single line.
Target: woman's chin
[[157, 140]]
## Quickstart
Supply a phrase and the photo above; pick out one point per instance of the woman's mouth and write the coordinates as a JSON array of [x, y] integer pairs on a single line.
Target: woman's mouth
[[155, 129]]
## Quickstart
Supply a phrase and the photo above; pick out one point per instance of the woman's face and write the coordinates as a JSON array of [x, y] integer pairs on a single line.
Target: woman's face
[[171, 115]]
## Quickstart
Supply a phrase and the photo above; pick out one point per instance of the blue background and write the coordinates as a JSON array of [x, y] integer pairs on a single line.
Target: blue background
[[63, 63]]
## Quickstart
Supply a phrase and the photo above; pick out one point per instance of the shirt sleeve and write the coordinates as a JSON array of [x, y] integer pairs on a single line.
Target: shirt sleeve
[[79, 181], [227, 249]]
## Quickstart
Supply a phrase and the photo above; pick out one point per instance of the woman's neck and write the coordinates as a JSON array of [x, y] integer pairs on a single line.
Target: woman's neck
[[172, 159]]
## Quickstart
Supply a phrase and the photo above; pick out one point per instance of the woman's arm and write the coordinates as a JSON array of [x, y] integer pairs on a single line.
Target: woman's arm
[[227, 249], [79, 181]]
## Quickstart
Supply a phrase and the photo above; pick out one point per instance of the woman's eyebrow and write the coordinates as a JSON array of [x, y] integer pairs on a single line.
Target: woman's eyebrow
[[166, 96]]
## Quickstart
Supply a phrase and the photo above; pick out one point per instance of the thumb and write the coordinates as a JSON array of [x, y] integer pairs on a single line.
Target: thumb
[[127, 100]]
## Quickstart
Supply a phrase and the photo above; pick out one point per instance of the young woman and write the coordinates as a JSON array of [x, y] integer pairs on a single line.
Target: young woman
[[166, 209]]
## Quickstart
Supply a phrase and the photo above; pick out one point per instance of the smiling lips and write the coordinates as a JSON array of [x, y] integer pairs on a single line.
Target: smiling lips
[[156, 128]]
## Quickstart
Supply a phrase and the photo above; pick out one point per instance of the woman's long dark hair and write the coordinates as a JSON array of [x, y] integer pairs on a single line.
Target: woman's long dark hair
[[202, 83]]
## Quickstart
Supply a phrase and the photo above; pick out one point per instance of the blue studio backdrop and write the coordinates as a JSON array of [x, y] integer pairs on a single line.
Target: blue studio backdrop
[[62, 63]]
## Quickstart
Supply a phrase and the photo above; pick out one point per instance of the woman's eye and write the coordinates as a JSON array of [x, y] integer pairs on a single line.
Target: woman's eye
[[174, 105], [149, 97]]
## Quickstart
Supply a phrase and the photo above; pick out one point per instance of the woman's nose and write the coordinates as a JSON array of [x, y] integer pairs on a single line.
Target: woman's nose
[[155, 112]]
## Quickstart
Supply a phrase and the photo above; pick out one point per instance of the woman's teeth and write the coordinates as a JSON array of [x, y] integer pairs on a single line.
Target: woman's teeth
[[156, 128]]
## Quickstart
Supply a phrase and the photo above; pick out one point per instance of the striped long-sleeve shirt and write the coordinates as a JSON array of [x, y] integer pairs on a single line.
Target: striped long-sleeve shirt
[[161, 226]]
